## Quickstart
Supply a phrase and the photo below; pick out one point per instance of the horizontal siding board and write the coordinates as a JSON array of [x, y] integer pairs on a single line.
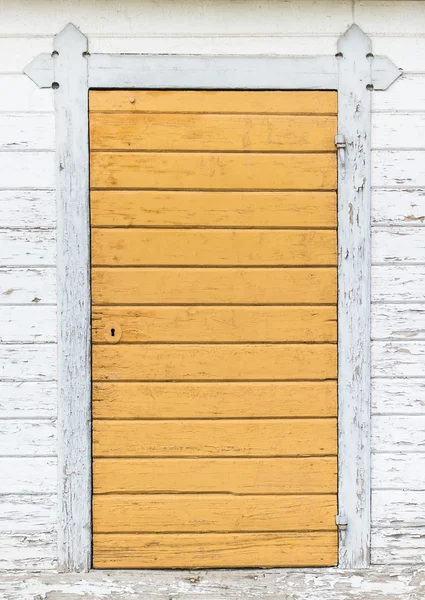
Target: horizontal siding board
[[210, 132], [22, 362], [206, 361], [222, 475], [23, 400], [28, 551], [213, 286], [133, 400], [24, 95], [214, 550], [398, 168], [398, 244], [262, 437], [402, 434], [211, 512], [372, 17], [398, 470], [398, 207], [214, 209], [27, 285], [27, 438], [16, 52], [27, 169], [25, 513], [28, 324], [27, 131], [398, 358], [407, 94], [212, 247], [398, 396], [218, 324], [398, 283], [398, 546], [178, 170], [405, 51], [23, 247], [398, 509], [28, 475], [404, 131], [398, 321], [28, 208]]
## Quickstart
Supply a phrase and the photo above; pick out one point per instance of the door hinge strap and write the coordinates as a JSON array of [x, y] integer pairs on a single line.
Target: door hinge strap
[[342, 524]]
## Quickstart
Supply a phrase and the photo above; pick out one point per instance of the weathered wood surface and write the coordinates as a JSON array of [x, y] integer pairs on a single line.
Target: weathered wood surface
[[398, 358], [21, 513], [399, 207], [27, 362], [398, 322], [398, 508], [27, 131], [32, 285], [28, 247], [398, 168], [28, 324], [28, 475], [398, 396], [378, 583], [30, 438], [26, 170], [398, 244], [398, 470], [28, 208], [398, 283], [28, 400]]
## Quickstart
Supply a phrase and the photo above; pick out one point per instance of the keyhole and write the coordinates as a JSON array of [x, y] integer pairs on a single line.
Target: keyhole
[[113, 332]]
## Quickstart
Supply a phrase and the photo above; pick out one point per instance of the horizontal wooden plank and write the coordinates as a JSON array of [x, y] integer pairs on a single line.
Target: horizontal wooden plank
[[405, 433], [398, 470], [398, 396], [27, 131], [235, 133], [403, 207], [27, 285], [292, 103], [23, 95], [212, 247], [124, 208], [213, 286], [211, 512], [249, 437], [28, 475], [214, 550], [398, 168], [179, 170], [23, 362], [398, 321], [217, 324], [402, 131], [26, 513], [27, 170], [28, 324], [398, 359], [135, 400], [404, 95], [29, 552], [398, 546], [29, 400], [26, 247], [214, 361], [398, 283], [398, 509], [398, 244], [27, 438], [29, 208], [219, 475]]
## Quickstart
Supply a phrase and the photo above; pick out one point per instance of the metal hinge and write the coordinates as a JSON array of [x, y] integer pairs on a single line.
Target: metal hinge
[[340, 141], [342, 524], [341, 144]]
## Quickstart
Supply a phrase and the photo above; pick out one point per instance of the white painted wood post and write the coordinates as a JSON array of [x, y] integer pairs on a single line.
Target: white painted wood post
[[354, 276], [73, 277]]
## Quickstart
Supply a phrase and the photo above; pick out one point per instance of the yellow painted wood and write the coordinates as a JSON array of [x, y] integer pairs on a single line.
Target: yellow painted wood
[[136, 400], [162, 513], [234, 133], [218, 475], [214, 550], [214, 286], [293, 103], [224, 437], [213, 247], [216, 324], [181, 170], [123, 208], [214, 361]]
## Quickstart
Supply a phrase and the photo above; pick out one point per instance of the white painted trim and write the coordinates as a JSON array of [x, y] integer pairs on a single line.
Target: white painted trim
[[76, 72]]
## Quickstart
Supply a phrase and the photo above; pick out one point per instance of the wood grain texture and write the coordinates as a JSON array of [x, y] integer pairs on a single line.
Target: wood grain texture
[[213, 286], [218, 475], [27, 285], [202, 170], [211, 132], [218, 324], [136, 400], [212, 247], [214, 550], [234, 437], [214, 361], [292, 103], [124, 208], [211, 512]]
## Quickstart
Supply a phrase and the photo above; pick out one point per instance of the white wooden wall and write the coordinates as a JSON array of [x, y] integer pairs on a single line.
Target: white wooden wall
[[27, 236]]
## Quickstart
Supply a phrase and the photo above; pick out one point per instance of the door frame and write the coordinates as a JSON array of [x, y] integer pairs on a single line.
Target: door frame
[[71, 71]]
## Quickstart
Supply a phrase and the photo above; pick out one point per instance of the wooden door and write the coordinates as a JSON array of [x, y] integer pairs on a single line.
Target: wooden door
[[214, 291]]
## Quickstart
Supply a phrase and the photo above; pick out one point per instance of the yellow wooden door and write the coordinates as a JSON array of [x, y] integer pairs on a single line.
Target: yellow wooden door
[[214, 289]]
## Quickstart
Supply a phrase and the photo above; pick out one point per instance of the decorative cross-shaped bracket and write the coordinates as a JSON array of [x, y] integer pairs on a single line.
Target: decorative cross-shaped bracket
[[354, 72]]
